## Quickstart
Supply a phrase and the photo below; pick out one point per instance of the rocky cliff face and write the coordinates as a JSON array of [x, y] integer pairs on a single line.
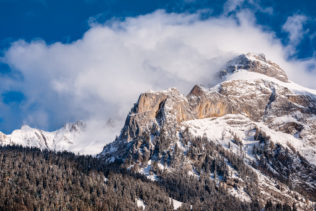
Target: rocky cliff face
[[255, 116]]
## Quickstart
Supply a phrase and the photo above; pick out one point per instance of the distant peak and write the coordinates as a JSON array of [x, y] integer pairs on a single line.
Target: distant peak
[[254, 63], [26, 128], [75, 126]]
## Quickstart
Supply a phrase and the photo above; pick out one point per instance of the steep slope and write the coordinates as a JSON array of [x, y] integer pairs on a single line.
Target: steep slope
[[253, 134]]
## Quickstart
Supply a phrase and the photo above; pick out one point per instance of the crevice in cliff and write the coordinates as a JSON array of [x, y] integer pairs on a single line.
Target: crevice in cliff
[[159, 112], [272, 98]]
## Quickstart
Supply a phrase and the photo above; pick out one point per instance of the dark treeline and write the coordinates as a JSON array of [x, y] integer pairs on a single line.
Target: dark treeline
[[31, 179]]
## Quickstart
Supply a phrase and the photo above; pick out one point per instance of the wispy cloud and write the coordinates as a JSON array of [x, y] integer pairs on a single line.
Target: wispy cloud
[[232, 6], [294, 26]]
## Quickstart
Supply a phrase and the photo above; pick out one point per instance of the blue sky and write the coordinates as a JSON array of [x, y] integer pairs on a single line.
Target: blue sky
[[66, 21], [39, 37]]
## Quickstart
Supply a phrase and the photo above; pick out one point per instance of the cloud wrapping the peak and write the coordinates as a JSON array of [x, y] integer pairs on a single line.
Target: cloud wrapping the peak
[[100, 76]]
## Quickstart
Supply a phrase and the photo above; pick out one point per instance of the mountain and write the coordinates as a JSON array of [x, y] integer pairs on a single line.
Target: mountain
[[252, 136], [65, 138], [247, 143], [85, 138]]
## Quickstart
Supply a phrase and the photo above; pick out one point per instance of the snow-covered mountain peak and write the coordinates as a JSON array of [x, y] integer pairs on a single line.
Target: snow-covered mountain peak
[[26, 128], [254, 63], [252, 77], [62, 139]]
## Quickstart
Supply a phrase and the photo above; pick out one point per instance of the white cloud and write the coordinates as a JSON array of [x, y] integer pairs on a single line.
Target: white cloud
[[101, 75], [294, 26]]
